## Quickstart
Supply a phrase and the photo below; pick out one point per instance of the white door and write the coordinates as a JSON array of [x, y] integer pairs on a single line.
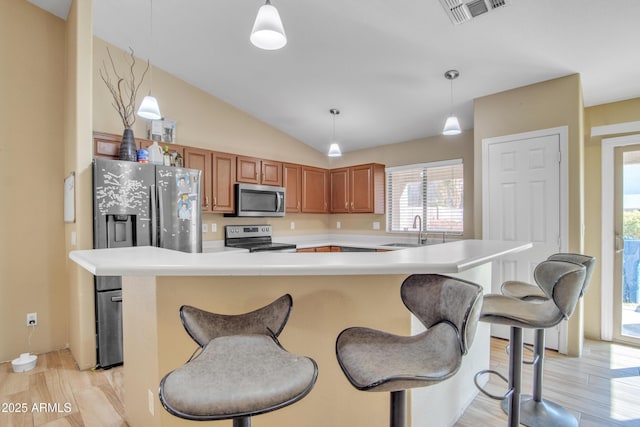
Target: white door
[[521, 202]]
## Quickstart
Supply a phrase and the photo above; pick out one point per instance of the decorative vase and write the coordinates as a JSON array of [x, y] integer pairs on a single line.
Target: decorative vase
[[128, 149]]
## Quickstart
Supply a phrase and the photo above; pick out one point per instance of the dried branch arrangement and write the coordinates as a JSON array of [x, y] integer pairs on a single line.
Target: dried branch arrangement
[[124, 89]]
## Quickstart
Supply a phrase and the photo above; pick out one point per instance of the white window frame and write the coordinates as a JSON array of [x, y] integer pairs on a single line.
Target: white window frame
[[389, 202]]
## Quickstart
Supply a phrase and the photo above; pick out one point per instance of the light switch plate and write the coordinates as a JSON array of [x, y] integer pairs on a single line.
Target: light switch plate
[[205, 228], [376, 225]]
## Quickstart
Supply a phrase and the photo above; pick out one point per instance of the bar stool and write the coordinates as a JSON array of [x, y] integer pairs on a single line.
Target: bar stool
[[242, 369], [534, 410], [382, 362], [562, 282]]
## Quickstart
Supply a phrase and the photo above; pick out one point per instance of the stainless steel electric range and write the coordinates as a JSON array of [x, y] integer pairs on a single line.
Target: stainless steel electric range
[[255, 238]]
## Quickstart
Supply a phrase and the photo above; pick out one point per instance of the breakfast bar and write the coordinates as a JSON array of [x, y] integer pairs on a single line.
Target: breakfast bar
[[331, 292]]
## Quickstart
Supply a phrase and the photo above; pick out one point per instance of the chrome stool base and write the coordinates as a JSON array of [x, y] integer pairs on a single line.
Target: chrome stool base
[[542, 414]]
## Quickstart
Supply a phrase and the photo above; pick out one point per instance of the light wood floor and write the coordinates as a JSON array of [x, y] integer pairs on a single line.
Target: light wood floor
[[602, 389]]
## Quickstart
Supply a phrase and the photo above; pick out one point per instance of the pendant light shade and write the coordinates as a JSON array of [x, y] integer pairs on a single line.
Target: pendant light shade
[[268, 32], [149, 108], [451, 126], [334, 148]]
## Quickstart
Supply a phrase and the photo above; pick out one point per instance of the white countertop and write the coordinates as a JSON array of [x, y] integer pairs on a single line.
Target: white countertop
[[452, 257]]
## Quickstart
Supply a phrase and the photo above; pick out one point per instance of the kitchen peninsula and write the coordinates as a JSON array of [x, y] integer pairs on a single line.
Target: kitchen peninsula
[[331, 291]]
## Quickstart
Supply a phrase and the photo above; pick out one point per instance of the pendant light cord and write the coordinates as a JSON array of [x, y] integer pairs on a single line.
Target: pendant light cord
[[451, 86], [333, 136], [150, 45]]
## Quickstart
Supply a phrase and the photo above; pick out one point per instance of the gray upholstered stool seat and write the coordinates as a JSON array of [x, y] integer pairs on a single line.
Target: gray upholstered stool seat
[[379, 361], [562, 282], [242, 369], [534, 410], [237, 376]]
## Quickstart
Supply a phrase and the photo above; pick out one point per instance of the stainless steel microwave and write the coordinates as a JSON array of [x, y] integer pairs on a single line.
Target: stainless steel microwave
[[258, 200]]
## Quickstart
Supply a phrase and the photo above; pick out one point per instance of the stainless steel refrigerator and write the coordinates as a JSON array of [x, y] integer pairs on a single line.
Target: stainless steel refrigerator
[[137, 204]]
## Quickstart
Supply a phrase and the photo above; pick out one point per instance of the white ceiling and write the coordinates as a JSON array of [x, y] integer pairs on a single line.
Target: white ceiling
[[380, 62]]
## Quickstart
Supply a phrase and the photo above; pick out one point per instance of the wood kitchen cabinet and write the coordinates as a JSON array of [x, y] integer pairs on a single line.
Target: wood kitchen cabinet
[[258, 171], [218, 178], [292, 181], [223, 180], [358, 189], [340, 190], [321, 249], [107, 145], [198, 158], [315, 190]]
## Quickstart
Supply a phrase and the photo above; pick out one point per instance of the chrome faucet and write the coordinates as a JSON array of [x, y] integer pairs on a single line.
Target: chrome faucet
[[419, 220]]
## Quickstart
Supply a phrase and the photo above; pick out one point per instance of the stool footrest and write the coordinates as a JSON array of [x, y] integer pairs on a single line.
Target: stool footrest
[[530, 349], [507, 394]]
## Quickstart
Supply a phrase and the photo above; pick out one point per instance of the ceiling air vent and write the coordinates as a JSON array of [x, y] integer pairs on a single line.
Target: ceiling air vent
[[461, 11]]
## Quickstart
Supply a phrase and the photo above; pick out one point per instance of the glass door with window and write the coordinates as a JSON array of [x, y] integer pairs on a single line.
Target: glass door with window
[[627, 244]]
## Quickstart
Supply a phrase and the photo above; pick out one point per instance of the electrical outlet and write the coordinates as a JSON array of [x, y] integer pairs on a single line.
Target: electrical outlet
[[293, 225], [32, 319], [338, 225], [214, 228], [376, 225], [205, 228]]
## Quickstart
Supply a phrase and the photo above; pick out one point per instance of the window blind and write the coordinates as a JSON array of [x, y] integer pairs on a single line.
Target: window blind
[[435, 191]]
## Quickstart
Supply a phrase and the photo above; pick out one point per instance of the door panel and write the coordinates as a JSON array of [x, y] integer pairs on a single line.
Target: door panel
[[523, 204], [626, 297]]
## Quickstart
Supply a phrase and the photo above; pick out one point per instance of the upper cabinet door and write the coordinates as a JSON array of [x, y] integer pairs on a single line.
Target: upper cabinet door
[[197, 158], [315, 190], [271, 173], [224, 174], [367, 188], [340, 190], [248, 170], [361, 189], [292, 180]]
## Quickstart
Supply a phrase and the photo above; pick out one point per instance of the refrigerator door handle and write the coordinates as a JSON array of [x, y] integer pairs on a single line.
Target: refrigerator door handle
[[116, 299], [161, 220], [154, 216]]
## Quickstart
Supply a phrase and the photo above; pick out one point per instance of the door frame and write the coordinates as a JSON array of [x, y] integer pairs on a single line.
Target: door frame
[[607, 246], [563, 134]]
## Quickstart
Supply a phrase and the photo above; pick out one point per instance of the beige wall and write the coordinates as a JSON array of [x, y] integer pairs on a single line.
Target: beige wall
[[600, 115], [78, 155], [549, 104], [202, 120], [32, 257]]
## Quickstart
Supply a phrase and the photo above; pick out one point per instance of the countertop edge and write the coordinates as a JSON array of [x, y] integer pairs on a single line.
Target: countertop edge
[[150, 261]]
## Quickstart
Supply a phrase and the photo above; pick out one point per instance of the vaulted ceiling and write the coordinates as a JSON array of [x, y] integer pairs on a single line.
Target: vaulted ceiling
[[380, 62]]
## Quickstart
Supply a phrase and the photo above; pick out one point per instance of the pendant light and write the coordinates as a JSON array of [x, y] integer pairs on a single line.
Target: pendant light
[[334, 148], [149, 108], [268, 32], [451, 126]]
